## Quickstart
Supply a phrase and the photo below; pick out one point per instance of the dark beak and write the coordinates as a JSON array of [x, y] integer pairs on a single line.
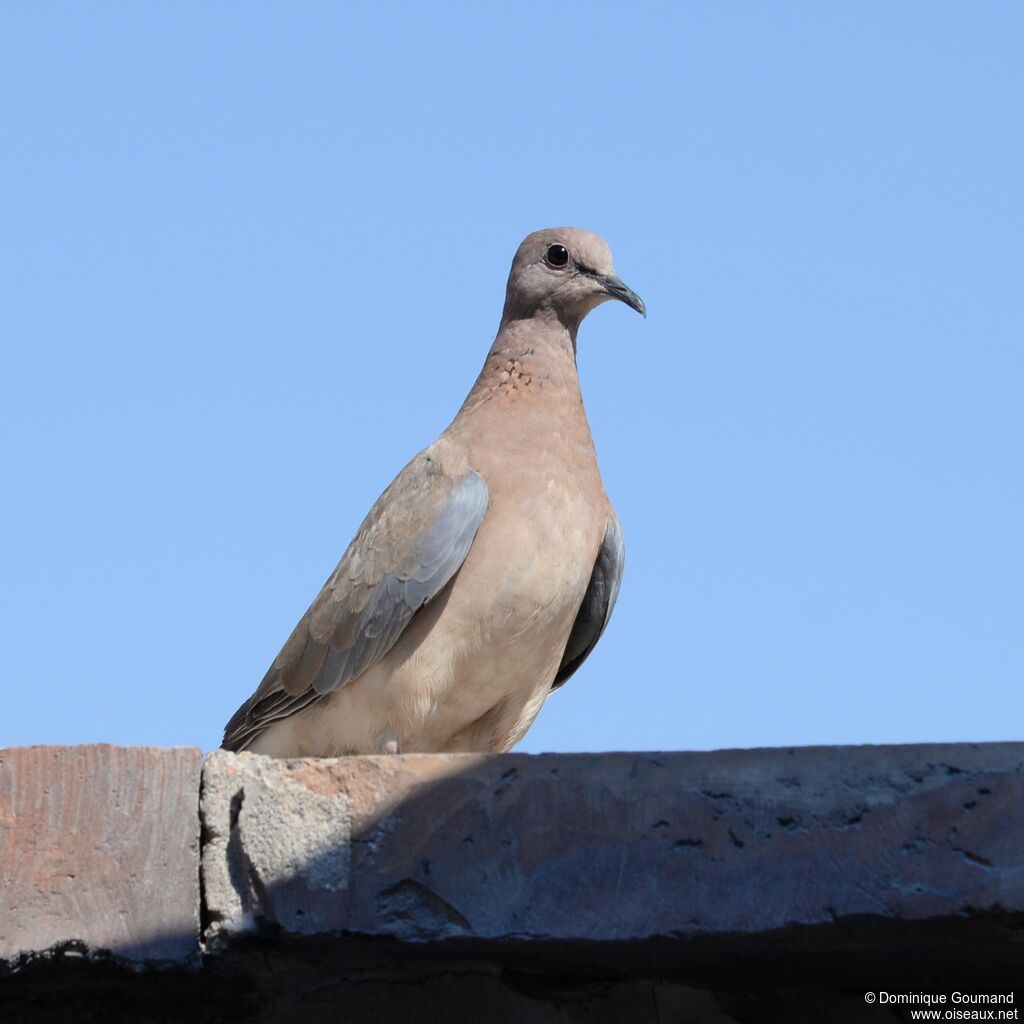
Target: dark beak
[[617, 290]]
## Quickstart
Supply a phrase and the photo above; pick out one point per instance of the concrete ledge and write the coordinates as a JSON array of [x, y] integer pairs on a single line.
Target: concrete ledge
[[99, 852], [612, 847], [609, 887]]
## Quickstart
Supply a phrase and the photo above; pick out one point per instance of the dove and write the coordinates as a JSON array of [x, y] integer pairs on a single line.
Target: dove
[[485, 574]]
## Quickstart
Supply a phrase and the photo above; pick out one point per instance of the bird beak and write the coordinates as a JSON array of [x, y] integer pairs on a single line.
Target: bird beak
[[618, 290]]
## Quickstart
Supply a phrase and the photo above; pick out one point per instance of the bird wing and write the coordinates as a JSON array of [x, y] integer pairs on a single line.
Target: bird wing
[[410, 545], [598, 602]]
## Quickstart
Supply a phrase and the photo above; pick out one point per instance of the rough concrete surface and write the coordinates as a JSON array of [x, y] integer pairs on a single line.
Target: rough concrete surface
[[99, 847], [730, 887], [265, 831], [613, 847]]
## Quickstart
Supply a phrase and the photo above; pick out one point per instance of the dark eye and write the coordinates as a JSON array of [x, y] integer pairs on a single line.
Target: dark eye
[[557, 255]]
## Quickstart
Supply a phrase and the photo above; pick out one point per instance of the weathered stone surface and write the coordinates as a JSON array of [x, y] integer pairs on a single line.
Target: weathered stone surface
[[734, 886], [266, 831], [99, 847], [614, 848]]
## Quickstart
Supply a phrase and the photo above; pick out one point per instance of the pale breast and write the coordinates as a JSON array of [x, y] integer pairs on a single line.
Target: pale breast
[[500, 636]]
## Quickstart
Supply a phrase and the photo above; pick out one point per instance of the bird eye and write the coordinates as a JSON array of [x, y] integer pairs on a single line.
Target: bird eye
[[557, 255]]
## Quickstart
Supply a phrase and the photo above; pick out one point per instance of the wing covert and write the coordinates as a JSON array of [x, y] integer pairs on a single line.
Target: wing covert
[[408, 547]]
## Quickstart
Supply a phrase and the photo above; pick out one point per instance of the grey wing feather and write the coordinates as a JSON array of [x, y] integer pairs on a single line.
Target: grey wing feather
[[598, 603], [410, 545]]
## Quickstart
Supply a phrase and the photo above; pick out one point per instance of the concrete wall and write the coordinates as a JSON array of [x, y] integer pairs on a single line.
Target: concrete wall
[[784, 884]]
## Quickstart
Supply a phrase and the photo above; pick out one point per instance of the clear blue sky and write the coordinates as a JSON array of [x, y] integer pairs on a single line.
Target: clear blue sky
[[252, 257]]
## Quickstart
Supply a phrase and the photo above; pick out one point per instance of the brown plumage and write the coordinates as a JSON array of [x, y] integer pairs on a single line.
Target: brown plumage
[[486, 572]]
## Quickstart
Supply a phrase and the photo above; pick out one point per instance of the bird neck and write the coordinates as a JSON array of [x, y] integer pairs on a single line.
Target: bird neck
[[531, 357], [550, 326]]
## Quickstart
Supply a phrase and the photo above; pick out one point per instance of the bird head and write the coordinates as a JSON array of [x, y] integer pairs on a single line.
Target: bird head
[[565, 271]]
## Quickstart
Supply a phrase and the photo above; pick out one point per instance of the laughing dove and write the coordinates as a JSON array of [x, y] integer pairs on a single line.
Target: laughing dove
[[486, 572]]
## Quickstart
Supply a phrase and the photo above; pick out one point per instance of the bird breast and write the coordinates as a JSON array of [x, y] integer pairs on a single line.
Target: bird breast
[[492, 646]]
